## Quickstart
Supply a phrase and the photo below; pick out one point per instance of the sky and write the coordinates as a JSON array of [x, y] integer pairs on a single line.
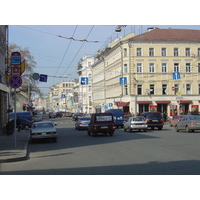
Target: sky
[[58, 57]]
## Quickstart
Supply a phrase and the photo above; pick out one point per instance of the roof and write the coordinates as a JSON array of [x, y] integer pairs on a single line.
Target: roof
[[169, 35]]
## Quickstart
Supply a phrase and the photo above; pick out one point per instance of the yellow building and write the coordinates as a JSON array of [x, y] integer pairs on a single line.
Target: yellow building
[[161, 68]]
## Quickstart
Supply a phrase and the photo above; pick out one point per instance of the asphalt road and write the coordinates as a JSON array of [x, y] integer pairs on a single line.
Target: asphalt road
[[153, 152]]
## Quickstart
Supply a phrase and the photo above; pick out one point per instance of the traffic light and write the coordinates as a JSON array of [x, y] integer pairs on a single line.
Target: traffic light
[[180, 103]]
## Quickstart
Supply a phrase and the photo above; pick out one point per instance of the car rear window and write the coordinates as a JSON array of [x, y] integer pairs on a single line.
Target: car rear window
[[138, 119], [41, 125], [84, 118], [103, 118], [154, 115]]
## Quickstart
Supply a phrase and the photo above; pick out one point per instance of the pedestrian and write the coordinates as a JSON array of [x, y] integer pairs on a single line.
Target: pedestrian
[[165, 116], [18, 122]]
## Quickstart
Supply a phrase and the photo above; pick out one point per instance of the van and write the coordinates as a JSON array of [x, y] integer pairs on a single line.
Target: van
[[24, 115], [118, 116], [101, 123]]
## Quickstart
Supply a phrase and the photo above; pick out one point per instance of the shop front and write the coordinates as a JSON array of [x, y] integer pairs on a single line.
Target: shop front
[[144, 106]]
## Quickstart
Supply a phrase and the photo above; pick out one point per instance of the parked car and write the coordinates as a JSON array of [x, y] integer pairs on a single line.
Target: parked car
[[101, 123], [118, 116], [135, 123], [52, 115], [68, 114], [42, 130], [189, 123], [153, 119], [76, 116], [82, 123], [25, 123], [37, 118], [175, 119], [59, 114]]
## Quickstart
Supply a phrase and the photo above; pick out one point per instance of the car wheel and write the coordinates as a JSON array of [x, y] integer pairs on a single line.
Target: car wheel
[[145, 130], [111, 133], [160, 128], [187, 129], [176, 128], [129, 129]]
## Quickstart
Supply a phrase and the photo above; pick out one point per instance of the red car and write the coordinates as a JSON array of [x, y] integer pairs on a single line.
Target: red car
[[175, 119]]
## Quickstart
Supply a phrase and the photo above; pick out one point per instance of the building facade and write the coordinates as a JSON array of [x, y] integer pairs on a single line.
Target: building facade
[[160, 67], [85, 90], [4, 90]]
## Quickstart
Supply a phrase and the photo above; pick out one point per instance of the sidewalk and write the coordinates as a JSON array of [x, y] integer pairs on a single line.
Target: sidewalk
[[8, 151]]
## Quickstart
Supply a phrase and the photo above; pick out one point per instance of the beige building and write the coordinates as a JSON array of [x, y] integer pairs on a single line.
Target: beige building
[[160, 67]]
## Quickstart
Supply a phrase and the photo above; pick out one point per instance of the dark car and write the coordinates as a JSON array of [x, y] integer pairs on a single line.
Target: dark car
[[59, 114], [101, 123], [76, 116], [154, 119], [25, 123], [52, 115]]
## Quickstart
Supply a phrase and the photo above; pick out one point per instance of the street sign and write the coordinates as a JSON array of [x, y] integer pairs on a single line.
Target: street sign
[[63, 95], [110, 104], [36, 76], [173, 88], [84, 81], [176, 75], [15, 70], [43, 78], [15, 81], [178, 93], [105, 106], [123, 81], [15, 58]]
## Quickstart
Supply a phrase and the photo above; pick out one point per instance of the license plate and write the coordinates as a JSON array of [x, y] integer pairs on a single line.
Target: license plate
[[104, 127], [43, 133], [154, 120]]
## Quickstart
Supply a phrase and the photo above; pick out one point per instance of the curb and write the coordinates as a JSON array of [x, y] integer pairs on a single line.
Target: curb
[[20, 158]]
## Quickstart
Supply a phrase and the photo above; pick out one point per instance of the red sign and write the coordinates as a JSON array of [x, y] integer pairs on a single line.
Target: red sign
[[15, 71], [173, 88]]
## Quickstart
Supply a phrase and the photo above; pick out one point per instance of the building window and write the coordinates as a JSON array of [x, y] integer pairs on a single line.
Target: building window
[[139, 67], [151, 51], [188, 88], [164, 67], [125, 90], [164, 87], [151, 68], [152, 89], [164, 52], [176, 88], [176, 67], [198, 67], [89, 64], [125, 52], [199, 88], [139, 89], [176, 53], [125, 68], [198, 52], [187, 51], [139, 51], [188, 68]]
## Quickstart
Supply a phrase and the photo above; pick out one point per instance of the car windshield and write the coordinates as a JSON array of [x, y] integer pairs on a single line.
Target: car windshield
[[84, 118], [43, 125], [138, 119]]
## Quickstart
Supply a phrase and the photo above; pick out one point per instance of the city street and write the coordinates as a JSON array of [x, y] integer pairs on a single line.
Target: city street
[[153, 152]]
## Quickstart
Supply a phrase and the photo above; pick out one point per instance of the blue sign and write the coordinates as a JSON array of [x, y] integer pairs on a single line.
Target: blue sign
[[105, 106], [123, 81], [110, 104], [15, 81], [15, 60], [63, 95], [43, 78], [176, 75], [84, 81]]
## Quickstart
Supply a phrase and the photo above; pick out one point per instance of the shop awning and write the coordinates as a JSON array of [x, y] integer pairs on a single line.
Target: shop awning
[[121, 104], [186, 101], [144, 102], [163, 102]]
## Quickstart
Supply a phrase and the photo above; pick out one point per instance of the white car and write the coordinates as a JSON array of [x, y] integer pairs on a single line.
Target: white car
[[135, 123], [43, 129]]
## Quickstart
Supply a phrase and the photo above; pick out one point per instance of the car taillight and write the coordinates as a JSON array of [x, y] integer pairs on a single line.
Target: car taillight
[[162, 120], [147, 120], [54, 132], [32, 133], [48, 133], [114, 127], [191, 123], [39, 133], [80, 122]]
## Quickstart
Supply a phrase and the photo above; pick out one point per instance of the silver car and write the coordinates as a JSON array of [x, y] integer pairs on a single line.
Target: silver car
[[82, 123], [188, 123], [135, 123], [43, 129]]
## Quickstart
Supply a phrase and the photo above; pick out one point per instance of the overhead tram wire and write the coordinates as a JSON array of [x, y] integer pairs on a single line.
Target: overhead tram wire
[[78, 50], [66, 51]]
